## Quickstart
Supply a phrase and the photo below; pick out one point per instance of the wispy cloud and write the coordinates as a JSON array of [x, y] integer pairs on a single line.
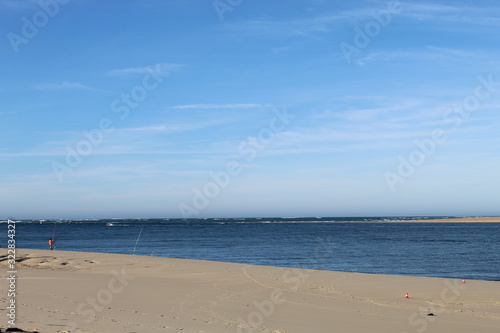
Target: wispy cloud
[[430, 53], [312, 26], [31, 154], [367, 114], [158, 68], [61, 86], [477, 15], [6, 113], [221, 106], [135, 171], [144, 129], [175, 127], [309, 26], [16, 4]]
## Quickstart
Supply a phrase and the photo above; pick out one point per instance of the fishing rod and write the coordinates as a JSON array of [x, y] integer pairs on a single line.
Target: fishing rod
[[54, 232], [54, 236], [137, 241]]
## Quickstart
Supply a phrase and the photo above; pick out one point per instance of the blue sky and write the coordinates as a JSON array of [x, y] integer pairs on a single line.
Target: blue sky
[[162, 108]]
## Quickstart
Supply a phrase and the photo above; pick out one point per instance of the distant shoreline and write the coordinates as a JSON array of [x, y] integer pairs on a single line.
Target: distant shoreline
[[382, 219], [491, 219]]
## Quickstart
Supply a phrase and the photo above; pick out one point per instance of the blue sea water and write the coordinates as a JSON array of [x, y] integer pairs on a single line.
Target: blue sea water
[[450, 250]]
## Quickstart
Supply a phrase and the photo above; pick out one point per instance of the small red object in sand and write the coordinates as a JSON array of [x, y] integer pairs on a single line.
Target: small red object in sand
[[406, 296], [463, 281]]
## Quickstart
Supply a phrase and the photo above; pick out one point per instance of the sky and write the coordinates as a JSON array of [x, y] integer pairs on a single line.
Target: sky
[[247, 108]]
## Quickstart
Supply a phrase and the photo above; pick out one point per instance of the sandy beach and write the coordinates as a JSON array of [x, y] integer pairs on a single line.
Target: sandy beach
[[91, 292], [482, 219]]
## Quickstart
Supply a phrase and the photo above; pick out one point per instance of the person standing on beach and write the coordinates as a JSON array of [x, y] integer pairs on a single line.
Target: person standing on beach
[[51, 244]]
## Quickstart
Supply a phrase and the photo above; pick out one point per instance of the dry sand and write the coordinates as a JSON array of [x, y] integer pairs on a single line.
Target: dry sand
[[482, 219], [92, 292]]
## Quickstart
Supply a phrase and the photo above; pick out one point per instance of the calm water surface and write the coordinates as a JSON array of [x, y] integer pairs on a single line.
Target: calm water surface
[[461, 250]]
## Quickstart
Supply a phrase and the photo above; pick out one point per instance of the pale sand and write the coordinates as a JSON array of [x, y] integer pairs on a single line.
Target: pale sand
[[152, 294], [483, 219]]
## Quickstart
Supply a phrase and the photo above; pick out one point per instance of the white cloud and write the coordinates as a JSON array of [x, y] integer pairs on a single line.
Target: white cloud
[[61, 86], [448, 13], [29, 154], [17, 4], [221, 106], [144, 129], [158, 68], [312, 26], [430, 53], [175, 127]]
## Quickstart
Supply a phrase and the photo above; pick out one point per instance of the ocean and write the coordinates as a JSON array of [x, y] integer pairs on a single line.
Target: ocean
[[366, 244]]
